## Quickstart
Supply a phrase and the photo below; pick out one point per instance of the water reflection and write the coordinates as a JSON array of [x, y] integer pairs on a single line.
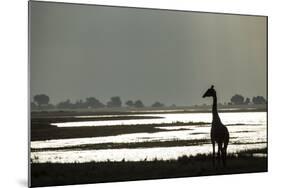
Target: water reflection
[[162, 153], [238, 134], [227, 118]]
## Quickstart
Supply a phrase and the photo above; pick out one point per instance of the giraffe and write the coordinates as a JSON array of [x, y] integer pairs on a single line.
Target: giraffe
[[219, 132]]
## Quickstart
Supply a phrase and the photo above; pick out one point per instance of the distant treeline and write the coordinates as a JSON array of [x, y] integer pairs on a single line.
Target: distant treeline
[[42, 101], [239, 99]]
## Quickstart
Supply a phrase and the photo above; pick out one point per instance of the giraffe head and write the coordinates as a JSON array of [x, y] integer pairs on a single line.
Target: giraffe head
[[211, 92]]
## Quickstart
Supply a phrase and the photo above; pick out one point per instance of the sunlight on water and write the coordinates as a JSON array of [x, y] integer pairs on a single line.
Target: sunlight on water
[[125, 138], [162, 153], [247, 131], [227, 118], [258, 133]]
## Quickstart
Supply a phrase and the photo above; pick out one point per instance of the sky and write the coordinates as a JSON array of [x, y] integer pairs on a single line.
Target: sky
[[79, 51]]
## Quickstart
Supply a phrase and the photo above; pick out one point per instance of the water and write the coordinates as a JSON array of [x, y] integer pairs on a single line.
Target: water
[[140, 154], [247, 131], [227, 118]]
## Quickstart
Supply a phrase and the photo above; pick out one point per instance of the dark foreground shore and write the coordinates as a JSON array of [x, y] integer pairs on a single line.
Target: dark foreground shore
[[51, 174]]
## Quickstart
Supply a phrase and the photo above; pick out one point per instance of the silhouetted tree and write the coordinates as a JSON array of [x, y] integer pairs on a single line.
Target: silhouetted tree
[[247, 101], [157, 104], [130, 103], [93, 103], [65, 104], [41, 99], [114, 102], [78, 104], [237, 99], [139, 104], [259, 100]]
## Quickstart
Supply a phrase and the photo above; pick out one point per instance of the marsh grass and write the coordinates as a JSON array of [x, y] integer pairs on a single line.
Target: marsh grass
[[48, 174]]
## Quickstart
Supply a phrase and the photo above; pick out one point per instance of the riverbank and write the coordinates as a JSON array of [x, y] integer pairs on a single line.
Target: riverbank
[[50, 174]]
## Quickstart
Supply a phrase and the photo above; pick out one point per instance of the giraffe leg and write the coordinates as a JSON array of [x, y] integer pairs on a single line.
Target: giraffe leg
[[224, 153], [219, 152], [224, 157], [214, 152]]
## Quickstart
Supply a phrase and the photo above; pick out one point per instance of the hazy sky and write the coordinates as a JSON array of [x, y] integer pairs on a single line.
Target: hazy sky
[[79, 51]]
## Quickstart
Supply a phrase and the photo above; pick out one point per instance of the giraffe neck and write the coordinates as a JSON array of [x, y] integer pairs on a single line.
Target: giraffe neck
[[216, 118]]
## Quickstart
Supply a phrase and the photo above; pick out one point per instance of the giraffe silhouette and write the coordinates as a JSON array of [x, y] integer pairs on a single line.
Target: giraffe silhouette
[[219, 132]]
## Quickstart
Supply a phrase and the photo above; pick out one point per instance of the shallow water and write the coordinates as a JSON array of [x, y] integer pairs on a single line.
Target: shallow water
[[247, 131], [226, 117], [238, 134], [140, 154]]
